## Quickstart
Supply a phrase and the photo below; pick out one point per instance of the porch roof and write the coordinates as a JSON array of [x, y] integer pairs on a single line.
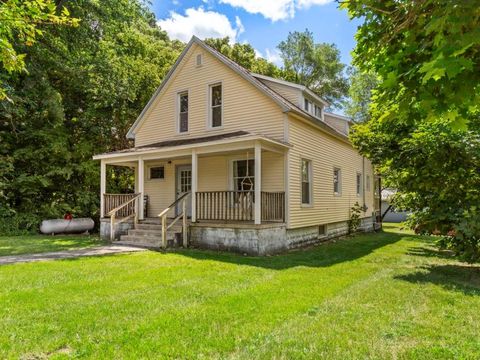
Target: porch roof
[[190, 143]]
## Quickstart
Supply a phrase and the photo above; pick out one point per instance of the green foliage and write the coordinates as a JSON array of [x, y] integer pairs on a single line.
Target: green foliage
[[424, 131], [360, 92], [315, 65], [21, 22], [84, 88], [19, 224], [244, 55], [354, 220]]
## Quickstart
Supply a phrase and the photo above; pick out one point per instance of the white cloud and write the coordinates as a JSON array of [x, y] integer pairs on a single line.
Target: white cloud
[[273, 56], [274, 9], [201, 23], [305, 4]]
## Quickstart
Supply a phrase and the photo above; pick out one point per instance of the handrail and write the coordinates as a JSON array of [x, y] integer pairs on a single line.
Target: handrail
[[169, 207], [112, 213], [183, 215]]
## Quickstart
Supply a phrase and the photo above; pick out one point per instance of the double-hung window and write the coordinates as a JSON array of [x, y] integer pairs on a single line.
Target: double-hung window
[[306, 182], [216, 102], [318, 111], [337, 181], [183, 112], [359, 184], [244, 175]]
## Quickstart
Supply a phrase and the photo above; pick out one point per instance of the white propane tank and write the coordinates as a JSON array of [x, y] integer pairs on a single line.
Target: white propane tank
[[57, 226]]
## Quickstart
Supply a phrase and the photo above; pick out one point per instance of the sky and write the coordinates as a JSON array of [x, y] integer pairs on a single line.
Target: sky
[[261, 23]]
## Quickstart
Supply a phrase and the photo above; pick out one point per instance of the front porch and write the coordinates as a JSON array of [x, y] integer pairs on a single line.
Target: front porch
[[239, 183]]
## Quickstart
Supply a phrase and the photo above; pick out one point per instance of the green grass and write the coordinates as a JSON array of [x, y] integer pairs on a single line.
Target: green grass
[[377, 296], [34, 244]]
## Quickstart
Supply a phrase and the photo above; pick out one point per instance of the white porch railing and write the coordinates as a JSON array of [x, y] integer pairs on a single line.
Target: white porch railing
[[127, 209]]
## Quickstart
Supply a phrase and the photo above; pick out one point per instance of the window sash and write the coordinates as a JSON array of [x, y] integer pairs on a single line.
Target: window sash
[[336, 181], [359, 184], [216, 104], [183, 112], [240, 174], [306, 181], [157, 172]]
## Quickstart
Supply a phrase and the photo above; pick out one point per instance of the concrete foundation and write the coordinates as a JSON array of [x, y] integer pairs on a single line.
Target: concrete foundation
[[266, 239], [120, 229]]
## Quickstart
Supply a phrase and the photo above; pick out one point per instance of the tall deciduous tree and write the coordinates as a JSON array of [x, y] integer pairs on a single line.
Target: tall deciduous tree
[[85, 87], [244, 55], [360, 92], [424, 133], [21, 22], [316, 65]]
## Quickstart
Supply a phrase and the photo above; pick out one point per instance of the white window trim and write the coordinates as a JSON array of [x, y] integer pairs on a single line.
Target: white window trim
[[310, 173], [230, 169], [148, 167], [209, 106], [177, 112], [201, 60], [359, 194], [339, 193]]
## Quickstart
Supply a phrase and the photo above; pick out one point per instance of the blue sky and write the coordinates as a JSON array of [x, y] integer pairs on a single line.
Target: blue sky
[[262, 23]]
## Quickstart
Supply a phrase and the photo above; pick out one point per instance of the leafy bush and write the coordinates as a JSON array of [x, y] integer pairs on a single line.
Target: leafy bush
[[19, 224], [354, 221]]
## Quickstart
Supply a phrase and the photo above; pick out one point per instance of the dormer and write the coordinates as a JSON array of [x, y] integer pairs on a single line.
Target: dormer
[[299, 95]]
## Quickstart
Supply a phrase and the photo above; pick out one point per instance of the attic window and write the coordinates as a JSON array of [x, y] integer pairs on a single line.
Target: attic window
[[199, 60]]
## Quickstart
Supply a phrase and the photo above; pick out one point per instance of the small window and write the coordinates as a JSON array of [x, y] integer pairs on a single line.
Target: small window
[[244, 175], [322, 230], [216, 106], [307, 105], [318, 111], [306, 182], [157, 172], [368, 183], [199, 60], [337, 179], [359, 184], [183, 112]]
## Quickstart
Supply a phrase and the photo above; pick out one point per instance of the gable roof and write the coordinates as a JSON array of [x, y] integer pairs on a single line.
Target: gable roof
[[302, 88], [285, 104]]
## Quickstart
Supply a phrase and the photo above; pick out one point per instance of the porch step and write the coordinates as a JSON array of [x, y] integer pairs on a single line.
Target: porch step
[[154, 227]]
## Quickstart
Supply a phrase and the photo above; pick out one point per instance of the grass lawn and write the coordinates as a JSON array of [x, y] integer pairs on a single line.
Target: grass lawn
[[33, 244], [377, 296]]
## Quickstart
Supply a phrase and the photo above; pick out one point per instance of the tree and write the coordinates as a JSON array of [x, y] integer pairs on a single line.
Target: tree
[[85, 87], [360, 93], [20, 24], [315, 65], [424, 131], [244, 55]]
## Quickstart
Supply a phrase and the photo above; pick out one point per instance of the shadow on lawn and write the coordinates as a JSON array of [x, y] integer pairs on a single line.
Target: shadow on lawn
[[328, 254], [464, 278]]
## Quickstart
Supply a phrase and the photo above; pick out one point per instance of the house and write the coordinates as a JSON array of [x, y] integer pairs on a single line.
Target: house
[[232, 160]]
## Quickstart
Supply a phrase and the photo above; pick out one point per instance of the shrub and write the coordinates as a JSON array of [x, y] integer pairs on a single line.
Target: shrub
[[19, 224], [354, 221]]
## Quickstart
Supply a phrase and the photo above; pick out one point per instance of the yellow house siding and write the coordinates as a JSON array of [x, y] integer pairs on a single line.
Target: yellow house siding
[[214, 174], [325, 152], [244, 106], [288, 92], [339, 124]]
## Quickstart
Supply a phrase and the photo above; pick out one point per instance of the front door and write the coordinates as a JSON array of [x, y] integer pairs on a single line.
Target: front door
[[184, 185]]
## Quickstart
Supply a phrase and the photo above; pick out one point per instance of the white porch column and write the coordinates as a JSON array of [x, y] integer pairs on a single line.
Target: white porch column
[[103, 186], [141, 187], [258, 182], [194, 184]]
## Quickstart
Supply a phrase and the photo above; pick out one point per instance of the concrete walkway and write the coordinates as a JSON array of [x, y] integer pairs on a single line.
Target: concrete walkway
[[68, 254]]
